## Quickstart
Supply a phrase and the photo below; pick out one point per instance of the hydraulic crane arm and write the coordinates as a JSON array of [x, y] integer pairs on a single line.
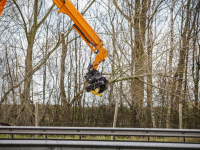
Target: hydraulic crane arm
[[84, 30], [2, 5], [97, 83]]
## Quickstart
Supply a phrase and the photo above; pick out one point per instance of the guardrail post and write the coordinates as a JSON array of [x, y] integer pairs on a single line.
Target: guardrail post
[[113, 137], [36, 117], [180, 116], [115, 117]]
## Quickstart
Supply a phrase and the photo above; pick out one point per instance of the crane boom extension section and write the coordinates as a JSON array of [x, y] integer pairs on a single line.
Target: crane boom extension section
[[97, 83]]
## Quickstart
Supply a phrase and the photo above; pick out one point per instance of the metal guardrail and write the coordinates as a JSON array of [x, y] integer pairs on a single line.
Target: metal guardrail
[[82, 144], [92, 145], [96, 131]]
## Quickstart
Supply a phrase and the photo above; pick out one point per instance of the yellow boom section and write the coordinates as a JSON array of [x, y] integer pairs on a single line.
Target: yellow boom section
[[2, 4], [84, 30]]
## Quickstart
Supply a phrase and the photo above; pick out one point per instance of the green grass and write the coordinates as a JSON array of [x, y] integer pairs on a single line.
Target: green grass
[[88, 137]]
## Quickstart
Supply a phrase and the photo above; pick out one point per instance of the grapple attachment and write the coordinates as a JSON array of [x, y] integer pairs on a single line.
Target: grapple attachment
[[97, 83]]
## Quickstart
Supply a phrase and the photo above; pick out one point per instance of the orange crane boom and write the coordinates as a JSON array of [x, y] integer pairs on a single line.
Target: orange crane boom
[[2, 5], [97, 83], [84, 30]]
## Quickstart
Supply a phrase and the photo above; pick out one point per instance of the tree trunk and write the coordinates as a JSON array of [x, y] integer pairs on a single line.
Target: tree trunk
[[140, 30], [170, 67], [62, 79]]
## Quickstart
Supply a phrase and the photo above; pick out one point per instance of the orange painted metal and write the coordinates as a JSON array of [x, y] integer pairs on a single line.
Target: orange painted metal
[[95, 43], [2, 5]]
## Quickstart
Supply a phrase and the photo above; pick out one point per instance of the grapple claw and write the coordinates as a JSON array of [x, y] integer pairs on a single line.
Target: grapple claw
[[96, 81]]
